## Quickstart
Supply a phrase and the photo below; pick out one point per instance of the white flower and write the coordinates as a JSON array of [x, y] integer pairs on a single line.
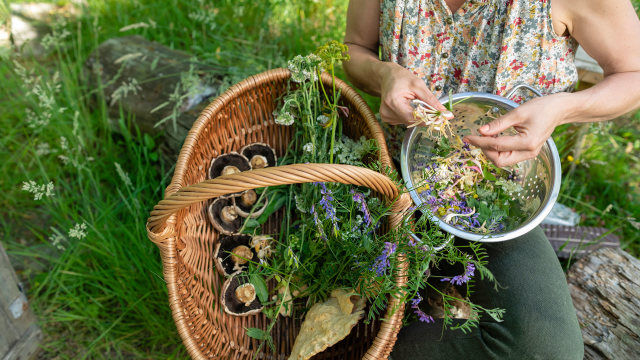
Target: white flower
[[64, 144], [323, 119], [308, 147], [38, 191], [123, 175], [79, 231], [124, 89], [43, 149], [304, 68], [284, 118], [56, 241], [509, 186]]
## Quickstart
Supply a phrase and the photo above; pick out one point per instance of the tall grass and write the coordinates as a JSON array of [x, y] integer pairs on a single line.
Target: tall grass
[[98, 290]]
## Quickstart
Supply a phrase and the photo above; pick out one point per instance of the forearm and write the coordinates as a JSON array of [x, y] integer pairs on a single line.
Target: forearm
[[616, 95], [365, 70]]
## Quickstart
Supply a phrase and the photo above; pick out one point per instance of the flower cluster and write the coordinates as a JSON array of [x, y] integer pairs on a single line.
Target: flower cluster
[[38, 191], [422, 316], [382, 262], [304, 68], [359, 198], [464, 278]]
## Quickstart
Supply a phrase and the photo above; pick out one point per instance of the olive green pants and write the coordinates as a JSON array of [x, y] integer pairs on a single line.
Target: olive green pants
[[540, 321]]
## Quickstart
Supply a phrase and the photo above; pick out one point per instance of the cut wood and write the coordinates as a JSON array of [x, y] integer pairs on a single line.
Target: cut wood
[[20, 336], [605, 287], [165, 90]]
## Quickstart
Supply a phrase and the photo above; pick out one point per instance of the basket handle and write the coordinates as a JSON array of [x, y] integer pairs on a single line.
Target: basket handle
[[271, 176]]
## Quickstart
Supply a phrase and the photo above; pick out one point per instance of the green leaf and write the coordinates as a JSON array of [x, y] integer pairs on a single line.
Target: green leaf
[[273, 206], [257, 333], [487, 174], [261, 287], [148, 141], [153, 156]]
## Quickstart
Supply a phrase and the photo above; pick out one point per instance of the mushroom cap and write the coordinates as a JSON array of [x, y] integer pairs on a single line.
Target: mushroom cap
[[229, 163], [226, 262], [230, 302], [260, 155], [223, 216], [246, 201]]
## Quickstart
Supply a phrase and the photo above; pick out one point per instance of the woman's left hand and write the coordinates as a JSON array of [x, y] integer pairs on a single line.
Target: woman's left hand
[[534, 121]]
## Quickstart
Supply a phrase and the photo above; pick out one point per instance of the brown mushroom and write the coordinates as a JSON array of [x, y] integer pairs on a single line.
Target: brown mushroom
[[239, 297], [223, 216], [228, 164], [246, 202], [233, 253], [260, 155]]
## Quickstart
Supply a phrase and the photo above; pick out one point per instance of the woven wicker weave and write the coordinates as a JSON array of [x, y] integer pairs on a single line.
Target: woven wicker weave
[[178, 225]]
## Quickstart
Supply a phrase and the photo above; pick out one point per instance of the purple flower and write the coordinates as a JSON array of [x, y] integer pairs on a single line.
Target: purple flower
[[325, 202], [422, 316], [317, 221], [382, 261], [461, 279], [359, 198]]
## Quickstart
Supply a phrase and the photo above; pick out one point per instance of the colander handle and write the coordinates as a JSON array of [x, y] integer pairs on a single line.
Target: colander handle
[[522, 86]]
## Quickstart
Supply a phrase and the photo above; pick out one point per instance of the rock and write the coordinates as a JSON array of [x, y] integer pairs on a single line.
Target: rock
[[164, 89]]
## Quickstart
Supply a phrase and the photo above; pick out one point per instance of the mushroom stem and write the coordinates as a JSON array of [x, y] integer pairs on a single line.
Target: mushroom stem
[[246, 293], [230, 169], [228, 214], [249, 198], [241, 254], [258, 162]]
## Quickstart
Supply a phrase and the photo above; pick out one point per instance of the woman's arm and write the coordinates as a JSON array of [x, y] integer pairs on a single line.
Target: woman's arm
[[609, 31], [395, 85]]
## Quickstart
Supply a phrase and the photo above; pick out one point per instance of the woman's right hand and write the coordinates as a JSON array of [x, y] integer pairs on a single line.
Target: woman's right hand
[[398, 87]]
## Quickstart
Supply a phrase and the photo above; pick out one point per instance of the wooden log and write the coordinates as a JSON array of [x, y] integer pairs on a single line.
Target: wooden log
[[20, 336], [605, 287], [165, 90]]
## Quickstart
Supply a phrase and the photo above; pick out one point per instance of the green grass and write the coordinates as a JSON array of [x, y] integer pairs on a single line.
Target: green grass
[[103, 296]]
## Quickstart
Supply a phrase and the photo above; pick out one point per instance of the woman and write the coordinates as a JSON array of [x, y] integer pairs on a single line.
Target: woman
[[429, 47]]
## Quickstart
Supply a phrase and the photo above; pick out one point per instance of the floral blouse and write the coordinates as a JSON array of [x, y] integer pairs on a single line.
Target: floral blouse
[[486, 45]]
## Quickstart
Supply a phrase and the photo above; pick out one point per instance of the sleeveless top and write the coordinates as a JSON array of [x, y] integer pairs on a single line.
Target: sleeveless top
[[485, 46]]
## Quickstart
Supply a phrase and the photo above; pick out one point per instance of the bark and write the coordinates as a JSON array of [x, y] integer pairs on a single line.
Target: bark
[[605, 287], [165, 90]]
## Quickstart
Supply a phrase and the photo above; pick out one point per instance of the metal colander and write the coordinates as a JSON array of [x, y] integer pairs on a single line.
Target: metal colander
[[538, 177]]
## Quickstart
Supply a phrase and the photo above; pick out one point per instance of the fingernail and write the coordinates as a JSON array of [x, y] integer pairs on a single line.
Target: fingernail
[[447, 114], [484, 128]]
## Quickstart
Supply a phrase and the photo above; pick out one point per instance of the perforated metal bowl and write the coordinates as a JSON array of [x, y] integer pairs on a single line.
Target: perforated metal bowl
[[539, 177]]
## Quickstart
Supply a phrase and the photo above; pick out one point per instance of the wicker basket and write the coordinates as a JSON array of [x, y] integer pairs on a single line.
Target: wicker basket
[[178, 225]]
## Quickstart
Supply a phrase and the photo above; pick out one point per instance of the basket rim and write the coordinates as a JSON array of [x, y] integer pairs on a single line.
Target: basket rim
[[167, 240]]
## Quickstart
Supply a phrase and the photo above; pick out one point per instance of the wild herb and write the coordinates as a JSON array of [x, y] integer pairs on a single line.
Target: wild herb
[[338, 237], [460, 185]]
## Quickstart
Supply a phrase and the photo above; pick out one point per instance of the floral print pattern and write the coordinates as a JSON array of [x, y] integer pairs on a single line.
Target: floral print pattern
[[485, 46]]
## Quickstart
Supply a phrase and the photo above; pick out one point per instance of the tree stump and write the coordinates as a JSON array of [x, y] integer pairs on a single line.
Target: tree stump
[[605, 287], [164, 89]]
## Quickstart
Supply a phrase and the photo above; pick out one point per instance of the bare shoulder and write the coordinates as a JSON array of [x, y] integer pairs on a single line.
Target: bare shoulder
[[604, 28], [571, 12]]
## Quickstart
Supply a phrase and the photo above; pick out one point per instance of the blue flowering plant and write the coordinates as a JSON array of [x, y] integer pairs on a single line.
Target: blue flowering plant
[[335, 236]]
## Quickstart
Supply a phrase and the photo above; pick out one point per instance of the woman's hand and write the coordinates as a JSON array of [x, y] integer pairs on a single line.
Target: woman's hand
[[534, 121], [398, 87]]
